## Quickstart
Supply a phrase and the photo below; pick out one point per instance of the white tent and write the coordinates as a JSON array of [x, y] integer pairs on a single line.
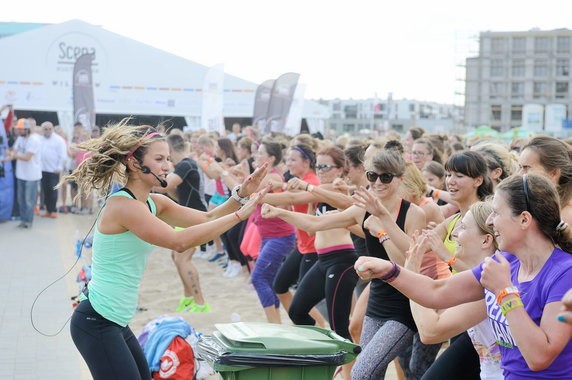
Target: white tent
[[129, 76]]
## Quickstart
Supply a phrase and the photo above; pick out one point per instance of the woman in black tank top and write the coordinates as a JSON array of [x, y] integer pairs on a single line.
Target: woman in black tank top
[[387, 305]]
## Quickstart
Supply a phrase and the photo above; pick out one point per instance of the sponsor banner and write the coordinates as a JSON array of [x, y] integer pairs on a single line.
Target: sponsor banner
[[83, 104], [213, 100], [280, 102], [261, 103]]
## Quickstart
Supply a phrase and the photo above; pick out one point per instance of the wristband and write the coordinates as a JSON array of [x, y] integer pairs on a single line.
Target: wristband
[[506, 291], [381, 233], [384, 238], [211, 160], [204, 166], [511, 304], [238, 216], [392, 274], [452, 261], [224, 173], [436, 193], [310, 188]]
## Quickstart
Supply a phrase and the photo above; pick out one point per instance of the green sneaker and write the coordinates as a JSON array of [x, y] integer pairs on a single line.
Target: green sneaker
[[196, 308], [186, 303]]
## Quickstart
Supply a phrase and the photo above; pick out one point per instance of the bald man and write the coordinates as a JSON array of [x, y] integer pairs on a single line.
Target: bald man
[[53, 158]]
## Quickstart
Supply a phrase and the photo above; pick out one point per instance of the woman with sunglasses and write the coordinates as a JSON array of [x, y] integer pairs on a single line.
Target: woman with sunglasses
[[522, 289], [389, 326], [423, 151]]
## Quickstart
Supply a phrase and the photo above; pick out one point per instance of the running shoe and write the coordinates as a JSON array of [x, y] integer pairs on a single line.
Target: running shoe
[[202, 254], [196, 308], [217, 256], [233, 270], [186, 303]]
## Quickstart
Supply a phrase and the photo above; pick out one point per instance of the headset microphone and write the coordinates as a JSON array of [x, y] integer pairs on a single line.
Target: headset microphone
[[146, 170]]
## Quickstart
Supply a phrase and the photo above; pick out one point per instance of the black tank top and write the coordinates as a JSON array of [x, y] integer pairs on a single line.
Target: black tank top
[[385, 302], [322, 208]]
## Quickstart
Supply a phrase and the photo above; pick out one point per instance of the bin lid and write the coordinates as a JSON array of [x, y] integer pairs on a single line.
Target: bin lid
[[271, 338]]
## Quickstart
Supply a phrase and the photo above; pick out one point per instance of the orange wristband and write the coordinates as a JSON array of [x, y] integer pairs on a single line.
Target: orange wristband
[[436, 193], [381, 233], [452, 261]]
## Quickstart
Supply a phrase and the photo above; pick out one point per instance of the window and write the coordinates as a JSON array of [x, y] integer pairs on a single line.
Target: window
[[412, 108], [519, 45], [351, 112], [562, 67], [561, 90], [337, 106], [563, 44], [541, 44], [516, 113], [539, 90], [518, 67], [540, 67], [496, 113], [497, 44], [496, 90], [517, 90], [349, 128], [497, 68]]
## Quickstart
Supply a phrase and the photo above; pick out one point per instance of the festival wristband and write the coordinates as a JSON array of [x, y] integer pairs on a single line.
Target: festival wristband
[[310, 188], [452, 261], [392, 274], [511, 304], [384, 238], [238, 216], [506, 291], [381, 233], [436, 193]]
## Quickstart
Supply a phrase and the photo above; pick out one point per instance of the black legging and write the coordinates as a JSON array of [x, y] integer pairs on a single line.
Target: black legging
[[459, 361], [293, 270], [334, 278], [110, 351], [232, 239]]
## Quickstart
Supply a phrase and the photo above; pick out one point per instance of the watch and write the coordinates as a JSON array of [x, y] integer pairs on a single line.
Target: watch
[[234, 195]]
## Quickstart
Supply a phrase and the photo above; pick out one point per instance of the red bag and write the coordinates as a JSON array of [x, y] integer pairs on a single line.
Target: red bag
[[178, 361], [251, 240]]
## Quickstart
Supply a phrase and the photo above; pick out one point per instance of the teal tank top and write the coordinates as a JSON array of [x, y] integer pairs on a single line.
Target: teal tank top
[[118, 262]]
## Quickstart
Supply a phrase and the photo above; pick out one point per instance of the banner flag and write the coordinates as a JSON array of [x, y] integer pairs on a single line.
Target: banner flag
[[261, 103], [294, 119], [6, 179], [280, 102], [83, 102], [212, 118], [9, 119]]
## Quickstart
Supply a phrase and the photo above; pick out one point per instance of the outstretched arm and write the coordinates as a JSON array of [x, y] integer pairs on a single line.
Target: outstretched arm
[[312, 223]]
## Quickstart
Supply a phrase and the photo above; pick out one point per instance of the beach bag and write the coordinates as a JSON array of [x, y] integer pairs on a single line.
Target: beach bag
[[177, 362], [250, 245]]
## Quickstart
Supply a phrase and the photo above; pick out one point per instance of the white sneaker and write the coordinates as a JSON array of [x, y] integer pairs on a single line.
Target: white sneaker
[[233, 270], [202, 254]]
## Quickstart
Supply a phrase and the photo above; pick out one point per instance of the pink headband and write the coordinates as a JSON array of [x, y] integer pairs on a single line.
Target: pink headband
[[138, 145]]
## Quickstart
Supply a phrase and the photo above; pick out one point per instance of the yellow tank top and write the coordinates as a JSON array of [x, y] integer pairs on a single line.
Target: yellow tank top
[[450, 244]]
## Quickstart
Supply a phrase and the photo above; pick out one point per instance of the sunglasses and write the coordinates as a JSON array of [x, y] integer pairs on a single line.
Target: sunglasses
[[383, 177], [326, 167]]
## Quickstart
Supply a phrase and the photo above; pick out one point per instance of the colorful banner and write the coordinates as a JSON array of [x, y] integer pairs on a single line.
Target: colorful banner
[[83, 103], [280, 102], [6, 180], [261, 103], [212, 118]]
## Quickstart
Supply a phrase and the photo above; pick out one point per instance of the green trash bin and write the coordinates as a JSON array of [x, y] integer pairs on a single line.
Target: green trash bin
[[266, 351]]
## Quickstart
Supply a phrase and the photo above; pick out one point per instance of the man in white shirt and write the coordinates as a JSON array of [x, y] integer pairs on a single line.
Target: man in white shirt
[[27, 150], [54, 154]]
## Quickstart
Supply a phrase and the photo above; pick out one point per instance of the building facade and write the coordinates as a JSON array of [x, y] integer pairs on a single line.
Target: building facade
[[520, 79], [376, 116]]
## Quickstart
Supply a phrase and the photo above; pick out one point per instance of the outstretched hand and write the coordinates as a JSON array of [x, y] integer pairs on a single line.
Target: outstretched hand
[[252, 182], [296, 184], [371, 267], [269, 211], [367, 200], [254, 200]]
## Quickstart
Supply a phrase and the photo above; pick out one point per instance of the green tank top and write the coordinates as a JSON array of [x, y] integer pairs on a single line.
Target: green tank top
[[118, 262], [450, 244]]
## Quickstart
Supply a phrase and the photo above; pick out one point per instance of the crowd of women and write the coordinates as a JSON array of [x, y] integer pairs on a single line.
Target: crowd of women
[[410, 244]]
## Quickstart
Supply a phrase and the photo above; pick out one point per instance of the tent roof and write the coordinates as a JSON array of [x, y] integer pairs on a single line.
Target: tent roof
[[129, 77]]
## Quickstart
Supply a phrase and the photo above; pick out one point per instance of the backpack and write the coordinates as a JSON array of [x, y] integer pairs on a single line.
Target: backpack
[[177, 362]]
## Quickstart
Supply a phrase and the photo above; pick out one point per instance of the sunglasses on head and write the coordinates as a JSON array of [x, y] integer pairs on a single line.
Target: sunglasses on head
[[325, 167], [383, 177]]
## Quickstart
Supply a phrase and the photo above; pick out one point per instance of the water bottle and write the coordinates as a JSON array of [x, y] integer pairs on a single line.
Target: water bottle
[[235, 317]]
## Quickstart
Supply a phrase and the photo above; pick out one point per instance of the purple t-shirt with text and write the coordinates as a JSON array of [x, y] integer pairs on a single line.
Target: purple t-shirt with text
[[549, 285]]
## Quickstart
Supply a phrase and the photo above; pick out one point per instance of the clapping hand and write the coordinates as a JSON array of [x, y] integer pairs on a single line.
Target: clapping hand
[[367, 200]]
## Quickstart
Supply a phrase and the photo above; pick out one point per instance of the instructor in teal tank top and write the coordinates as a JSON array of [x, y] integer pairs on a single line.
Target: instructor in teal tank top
[[130, 224]]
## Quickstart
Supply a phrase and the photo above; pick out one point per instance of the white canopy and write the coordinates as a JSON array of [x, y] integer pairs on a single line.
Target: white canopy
[[129, 77]]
